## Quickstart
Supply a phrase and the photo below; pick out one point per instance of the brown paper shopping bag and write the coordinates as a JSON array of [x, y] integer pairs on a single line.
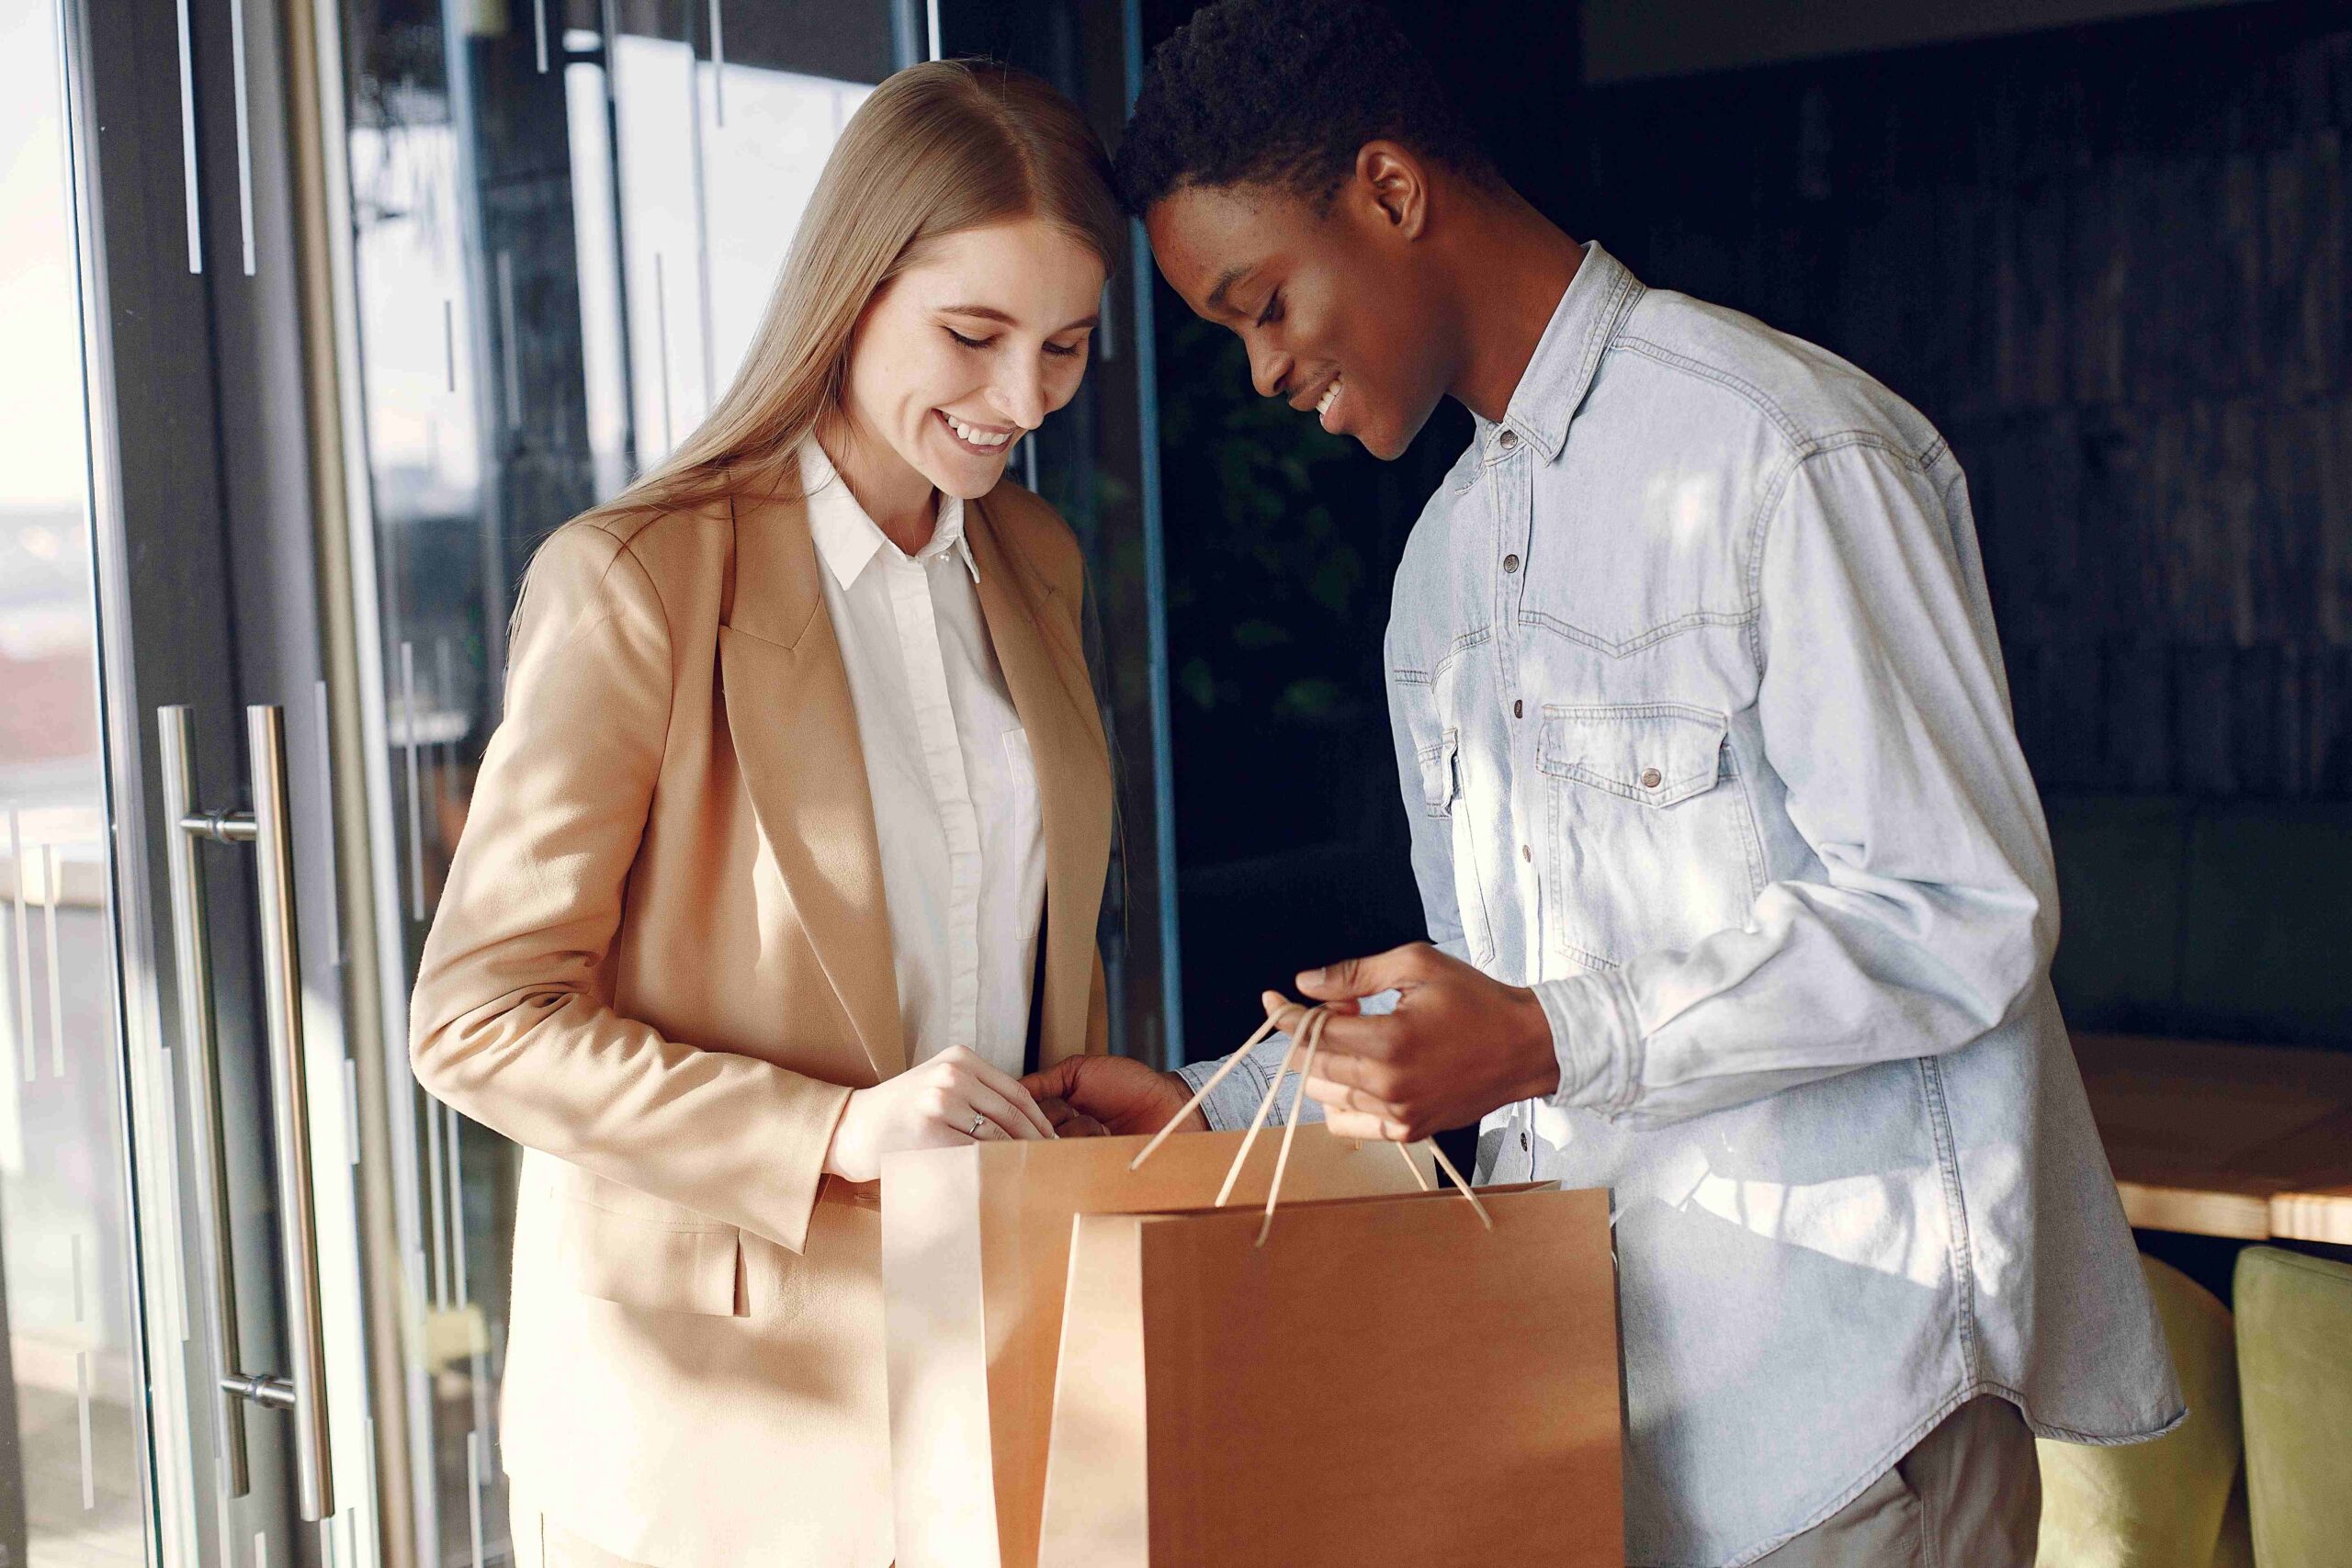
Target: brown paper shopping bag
[[1384, 1381], [975, 1256]]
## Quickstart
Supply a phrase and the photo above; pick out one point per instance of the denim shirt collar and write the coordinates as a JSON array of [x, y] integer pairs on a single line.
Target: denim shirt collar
[[1553, 383]]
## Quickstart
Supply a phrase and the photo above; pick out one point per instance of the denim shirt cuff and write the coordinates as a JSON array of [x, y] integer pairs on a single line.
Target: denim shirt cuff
[[1596, 1039], [1230, 1105]]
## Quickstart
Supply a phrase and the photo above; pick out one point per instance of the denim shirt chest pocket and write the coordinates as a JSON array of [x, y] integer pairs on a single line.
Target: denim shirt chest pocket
[[1650, 841]]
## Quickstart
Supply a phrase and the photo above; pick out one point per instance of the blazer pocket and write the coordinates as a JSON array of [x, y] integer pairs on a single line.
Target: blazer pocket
[[647, 1261]]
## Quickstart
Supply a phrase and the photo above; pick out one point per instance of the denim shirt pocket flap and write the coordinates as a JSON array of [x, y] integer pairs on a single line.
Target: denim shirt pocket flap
[[1440, 775], [1655, 754]]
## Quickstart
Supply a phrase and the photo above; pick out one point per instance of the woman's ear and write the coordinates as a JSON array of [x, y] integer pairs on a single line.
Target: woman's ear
[[1394, 182]]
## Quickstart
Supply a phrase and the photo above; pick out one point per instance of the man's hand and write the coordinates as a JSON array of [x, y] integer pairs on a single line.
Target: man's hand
[[1118, 1093], [1068, 1121], [1457, 1045]]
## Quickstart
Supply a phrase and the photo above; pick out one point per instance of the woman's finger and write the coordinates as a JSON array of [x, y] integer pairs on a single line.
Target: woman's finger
[[1008, 1089], [996, 1110]]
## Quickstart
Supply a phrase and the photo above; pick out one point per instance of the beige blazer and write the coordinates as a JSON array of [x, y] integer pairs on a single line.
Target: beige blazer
[[662, 962]]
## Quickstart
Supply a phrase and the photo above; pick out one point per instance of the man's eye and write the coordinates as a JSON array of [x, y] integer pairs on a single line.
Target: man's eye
[[968, 342], [1274, 310]]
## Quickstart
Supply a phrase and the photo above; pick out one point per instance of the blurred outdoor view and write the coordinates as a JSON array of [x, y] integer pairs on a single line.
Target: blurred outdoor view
[[71, 1378]]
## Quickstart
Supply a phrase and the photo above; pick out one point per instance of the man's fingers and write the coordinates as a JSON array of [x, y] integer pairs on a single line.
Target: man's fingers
[[1369, 1073], [1344, 1097], [1057, 1082], [1344, 1029], [1352, 977], [1356, 1124]]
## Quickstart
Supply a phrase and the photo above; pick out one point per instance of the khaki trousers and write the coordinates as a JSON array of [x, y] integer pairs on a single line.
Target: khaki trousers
[[1968, 1496]]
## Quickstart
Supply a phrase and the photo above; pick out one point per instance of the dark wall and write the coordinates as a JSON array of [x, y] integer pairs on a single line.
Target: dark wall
[[2109, 260], [2110, 263]]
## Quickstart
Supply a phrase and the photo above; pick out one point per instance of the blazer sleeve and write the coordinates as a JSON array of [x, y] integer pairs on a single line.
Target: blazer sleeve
[[510, 1019]]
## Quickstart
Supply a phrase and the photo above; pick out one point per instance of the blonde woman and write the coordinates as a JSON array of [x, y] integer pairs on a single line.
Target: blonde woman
[[788, 852]]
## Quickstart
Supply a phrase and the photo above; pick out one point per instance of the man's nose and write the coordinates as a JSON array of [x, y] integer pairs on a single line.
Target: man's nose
[[1270, 372]]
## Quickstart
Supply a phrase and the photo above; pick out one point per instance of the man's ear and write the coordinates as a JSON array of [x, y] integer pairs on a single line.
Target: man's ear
[[1394, 182]]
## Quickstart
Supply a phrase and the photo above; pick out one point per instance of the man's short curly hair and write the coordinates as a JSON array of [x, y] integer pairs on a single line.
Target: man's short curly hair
[[1283, 92]]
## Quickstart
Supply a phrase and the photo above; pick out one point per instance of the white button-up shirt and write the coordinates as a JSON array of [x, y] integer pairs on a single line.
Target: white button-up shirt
[[948, 767]]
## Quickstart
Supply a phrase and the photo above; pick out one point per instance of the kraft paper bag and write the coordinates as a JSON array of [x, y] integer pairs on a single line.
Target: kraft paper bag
[[1385, 1381], [975, 1256]]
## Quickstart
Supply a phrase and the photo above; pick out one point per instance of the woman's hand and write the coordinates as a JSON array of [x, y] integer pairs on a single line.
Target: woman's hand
[[954, 1098], [1117, 1092]]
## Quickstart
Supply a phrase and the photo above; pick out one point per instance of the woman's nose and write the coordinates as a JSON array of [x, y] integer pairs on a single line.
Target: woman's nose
[[1021, 399]]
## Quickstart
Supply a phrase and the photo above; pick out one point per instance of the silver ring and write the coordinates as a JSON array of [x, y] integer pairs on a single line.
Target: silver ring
[[977, 1119]]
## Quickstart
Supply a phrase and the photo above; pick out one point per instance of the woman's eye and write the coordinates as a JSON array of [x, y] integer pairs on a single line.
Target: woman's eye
[[1063, 350], [968, 342]]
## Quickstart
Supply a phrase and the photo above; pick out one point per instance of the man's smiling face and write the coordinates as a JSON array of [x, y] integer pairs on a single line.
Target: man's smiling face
[[1335, 308]]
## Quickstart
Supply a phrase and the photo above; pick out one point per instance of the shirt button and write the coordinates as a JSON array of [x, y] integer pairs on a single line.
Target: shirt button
[[1507, 440], [1526, 854], [1650, 778], [1523, 1139], [1510, 563], [1518, 710]]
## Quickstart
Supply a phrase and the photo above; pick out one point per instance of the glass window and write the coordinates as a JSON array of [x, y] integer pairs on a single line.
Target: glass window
[[70, 1475]]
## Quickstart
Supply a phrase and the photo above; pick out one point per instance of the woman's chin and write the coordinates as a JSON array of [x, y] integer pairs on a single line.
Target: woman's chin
[[963, 475], [967, 484]]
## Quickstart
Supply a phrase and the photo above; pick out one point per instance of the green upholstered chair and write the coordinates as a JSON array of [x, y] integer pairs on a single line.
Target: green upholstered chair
[[2158, 1504], [2295, 1368]]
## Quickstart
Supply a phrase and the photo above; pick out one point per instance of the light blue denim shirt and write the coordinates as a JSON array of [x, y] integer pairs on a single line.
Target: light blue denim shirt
[[1703, 734]]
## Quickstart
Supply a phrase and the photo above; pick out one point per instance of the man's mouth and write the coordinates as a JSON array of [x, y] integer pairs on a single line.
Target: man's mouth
[[980, 440], [1323, 404]]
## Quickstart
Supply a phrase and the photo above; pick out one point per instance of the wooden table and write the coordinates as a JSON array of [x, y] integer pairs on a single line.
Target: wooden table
[[2251, 1142]]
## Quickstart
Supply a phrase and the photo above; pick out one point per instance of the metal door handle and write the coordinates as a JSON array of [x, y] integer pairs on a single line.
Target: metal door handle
[[267, 829]]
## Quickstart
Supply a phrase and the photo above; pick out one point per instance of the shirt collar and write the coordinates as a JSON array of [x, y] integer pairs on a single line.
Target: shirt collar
[[847, 539], [1568, 355]]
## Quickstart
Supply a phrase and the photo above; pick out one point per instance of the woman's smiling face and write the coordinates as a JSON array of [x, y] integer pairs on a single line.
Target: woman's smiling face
[[970, 349]]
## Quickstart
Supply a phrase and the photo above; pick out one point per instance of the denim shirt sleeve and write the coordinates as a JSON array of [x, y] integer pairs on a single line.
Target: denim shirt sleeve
[[1932, 911]]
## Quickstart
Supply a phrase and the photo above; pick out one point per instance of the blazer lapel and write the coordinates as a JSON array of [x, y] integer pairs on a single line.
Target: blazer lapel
[[795, 732], [1044, 670]]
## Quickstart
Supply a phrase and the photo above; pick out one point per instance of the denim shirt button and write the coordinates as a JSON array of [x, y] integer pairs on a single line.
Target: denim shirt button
[[1507, 440], [1510, 563], [1650, 778]]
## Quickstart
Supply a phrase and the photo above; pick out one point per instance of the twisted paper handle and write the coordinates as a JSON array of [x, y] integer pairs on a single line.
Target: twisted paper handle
[[1310, 1034]]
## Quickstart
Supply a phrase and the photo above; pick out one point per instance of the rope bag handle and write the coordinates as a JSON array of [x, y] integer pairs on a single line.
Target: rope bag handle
[[1310, 1035]]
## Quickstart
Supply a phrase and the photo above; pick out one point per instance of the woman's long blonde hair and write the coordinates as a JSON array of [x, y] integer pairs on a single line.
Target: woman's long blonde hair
[[936, 150]]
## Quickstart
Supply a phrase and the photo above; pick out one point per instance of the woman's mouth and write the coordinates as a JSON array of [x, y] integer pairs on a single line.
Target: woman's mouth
[[977, 439], [1323, 404]]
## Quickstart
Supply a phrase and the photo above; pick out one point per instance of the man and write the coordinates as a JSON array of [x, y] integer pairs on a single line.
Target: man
[[1740, 893]]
